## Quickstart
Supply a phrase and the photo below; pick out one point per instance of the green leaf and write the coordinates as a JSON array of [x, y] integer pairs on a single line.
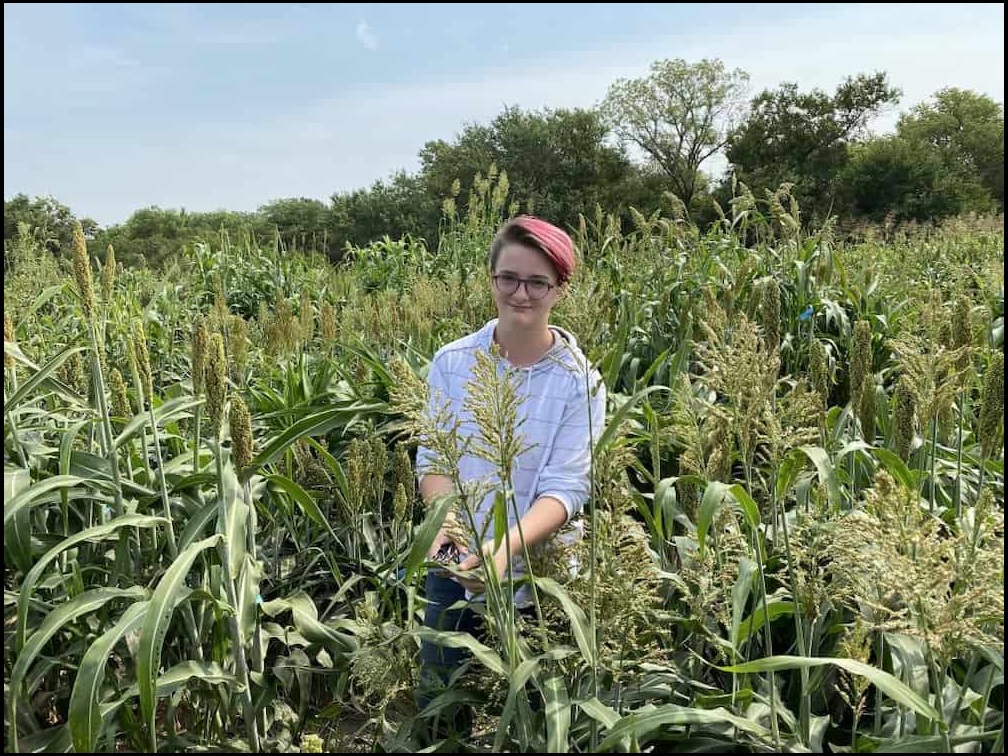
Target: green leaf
[[17, 535], [452, 639], [892, 687], [306, 621], [26, 497], [97, 533], [316, 424], [642, 723], [42, 377], [98, 472], [612, 426], [580, 625], [558, 715], [78, 606], [426, 532], [180, 405], [754, 622], [897, 467], [825, 471], [170, 591], [604, 715], [304, 500], [85, 719], [233, 519], [713, 498]]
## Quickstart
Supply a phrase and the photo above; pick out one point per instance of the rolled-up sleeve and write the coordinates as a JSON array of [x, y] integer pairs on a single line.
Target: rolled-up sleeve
[[566, 475]]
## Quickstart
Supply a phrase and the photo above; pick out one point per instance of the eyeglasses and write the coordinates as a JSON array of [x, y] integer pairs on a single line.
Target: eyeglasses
[[535, 288]]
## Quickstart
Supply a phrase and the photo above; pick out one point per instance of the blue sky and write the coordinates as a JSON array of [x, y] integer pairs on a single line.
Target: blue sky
[[110, 108]]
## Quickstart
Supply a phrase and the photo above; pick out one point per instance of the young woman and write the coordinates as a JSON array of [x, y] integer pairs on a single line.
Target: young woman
[[562, 411]]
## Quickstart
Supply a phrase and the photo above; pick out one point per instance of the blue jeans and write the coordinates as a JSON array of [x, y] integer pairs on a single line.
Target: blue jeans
[[437, 662]]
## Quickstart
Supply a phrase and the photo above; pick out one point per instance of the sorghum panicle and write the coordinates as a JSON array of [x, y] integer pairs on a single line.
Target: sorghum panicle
[[327, 323], [82, 272], [216, 382], [402, 471], [238, 348], [8, 330], [866, 410], [72, 373], [904, 409], [200, 344], [143, 359], [306, 320], [241, 432], [860, 361], [991, 430], [770, 313], [120, 397], [108, 275]]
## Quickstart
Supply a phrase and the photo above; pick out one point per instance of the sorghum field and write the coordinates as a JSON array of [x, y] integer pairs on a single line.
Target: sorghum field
[[213, 540]]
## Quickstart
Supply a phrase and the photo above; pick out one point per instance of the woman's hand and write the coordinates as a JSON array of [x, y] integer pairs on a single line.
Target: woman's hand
[[439, 542], [450, 534], [493, 559]]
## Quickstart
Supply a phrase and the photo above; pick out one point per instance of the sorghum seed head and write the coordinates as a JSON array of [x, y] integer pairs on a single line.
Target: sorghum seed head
[[216, 382], [241, 432], [991, 430], [108, 275], [82, 271], [904, 408], [143, 359], [860, 360], [8, 330], [200, 344]]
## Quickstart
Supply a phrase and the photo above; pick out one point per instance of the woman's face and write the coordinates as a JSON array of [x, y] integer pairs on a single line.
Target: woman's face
[[531, 275]]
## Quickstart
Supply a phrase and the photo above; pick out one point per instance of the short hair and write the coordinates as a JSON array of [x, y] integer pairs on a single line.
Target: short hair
[[553, 242]]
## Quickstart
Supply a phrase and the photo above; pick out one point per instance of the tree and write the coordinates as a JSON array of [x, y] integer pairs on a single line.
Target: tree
[[965, 131], [557, 163], [803, 139], [442, 163], [945, 159], [392, 208], [887, 178], [679, 116], [300, 224], [48, 221], [154, 236]]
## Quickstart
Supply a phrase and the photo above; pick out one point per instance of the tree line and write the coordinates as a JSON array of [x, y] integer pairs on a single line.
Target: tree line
[[650, 144]]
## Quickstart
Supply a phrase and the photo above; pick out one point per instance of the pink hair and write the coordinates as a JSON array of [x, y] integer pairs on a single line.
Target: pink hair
[[554, 241]]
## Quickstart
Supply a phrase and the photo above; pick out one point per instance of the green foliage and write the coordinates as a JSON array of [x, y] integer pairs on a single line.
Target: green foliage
[[43, 221], [945, 159], [391, 208], [964, 132], [558, 163], [679, 116], [890, 178], [155, 237], [803, 138], [301, 224]]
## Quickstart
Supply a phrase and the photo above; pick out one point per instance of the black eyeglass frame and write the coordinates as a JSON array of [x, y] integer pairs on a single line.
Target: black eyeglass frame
[[518, 281]]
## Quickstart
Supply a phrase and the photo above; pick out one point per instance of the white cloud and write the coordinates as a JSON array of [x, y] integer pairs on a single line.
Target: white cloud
[[365, 36]]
